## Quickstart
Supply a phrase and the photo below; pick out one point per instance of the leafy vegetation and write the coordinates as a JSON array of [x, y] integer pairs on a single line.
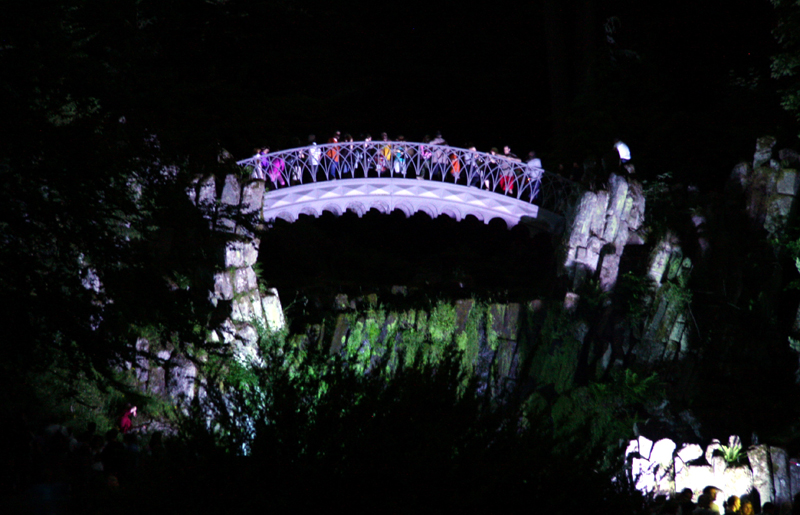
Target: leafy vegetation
[[424, 428], [733, 454]]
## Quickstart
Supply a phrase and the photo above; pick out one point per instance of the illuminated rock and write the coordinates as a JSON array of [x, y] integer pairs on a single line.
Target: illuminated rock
[[231, 191], [736, 480], [273, 311], [758, 455], [686, 454], [657, 468], [662, 451], [601, 229], [180, 378], [239, 254], [223, 286]]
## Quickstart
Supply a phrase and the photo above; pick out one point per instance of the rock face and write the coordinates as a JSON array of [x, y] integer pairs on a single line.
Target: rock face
[[487, 334], [603, 224], [234, 214], [770, 185], [666, 333], [167, 373], [657, 468]]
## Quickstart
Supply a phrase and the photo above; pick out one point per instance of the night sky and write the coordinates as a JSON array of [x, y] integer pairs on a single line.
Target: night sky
[[685, 84], [677, 81]]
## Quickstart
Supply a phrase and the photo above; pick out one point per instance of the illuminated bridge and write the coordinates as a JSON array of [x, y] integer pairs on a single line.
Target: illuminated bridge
[[410, 177]]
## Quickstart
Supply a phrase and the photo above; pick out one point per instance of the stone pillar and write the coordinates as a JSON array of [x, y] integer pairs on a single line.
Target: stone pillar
[[760, 465], [235, 214], [780, 475]]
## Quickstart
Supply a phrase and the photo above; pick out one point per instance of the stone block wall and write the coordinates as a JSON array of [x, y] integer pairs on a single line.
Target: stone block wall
[[233, 211]]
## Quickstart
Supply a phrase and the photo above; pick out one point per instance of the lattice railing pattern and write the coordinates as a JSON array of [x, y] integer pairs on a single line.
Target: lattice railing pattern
[[410, 160]]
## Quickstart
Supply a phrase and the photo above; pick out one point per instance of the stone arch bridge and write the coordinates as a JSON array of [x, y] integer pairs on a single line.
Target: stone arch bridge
[[598, 228], [357, 177]]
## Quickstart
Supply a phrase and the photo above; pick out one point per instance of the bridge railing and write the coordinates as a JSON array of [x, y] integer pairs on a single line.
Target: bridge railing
[[410, 160]]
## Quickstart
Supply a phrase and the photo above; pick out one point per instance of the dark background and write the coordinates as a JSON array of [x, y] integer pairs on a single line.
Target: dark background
[[685, 84]]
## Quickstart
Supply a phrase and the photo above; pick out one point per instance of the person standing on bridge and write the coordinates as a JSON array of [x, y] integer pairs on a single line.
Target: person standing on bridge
[[314, 155], [507, 177], [471, 166], [508, 154], [400, 157], [276, 167], [363, 155], [439, 158], [259, 166], [509, 169], [533, 174], [332, 157], [347, 156], [424, 159], [490, 179], [384, 157]]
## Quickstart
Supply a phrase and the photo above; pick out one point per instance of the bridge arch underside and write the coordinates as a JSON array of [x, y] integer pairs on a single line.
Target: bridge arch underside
[[406, 195]]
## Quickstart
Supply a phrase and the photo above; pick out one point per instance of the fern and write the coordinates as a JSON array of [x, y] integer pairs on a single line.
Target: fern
[[733, 454]]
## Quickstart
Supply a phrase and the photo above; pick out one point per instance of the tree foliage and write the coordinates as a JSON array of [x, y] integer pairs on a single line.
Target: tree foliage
[[99, 241], [786, 64], [412, 435]]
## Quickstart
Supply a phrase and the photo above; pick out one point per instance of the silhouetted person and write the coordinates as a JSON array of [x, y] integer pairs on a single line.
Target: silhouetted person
[[575, 173], [712, 492], [86, 436], [685, 499], [732, 505], [113, 455], [704, 506]]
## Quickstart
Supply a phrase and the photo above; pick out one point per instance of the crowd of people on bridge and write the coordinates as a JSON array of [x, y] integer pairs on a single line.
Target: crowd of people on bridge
[[503, 172], [346, 158]]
